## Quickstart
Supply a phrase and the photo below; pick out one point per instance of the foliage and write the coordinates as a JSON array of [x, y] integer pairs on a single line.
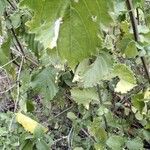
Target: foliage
[[74, 74]]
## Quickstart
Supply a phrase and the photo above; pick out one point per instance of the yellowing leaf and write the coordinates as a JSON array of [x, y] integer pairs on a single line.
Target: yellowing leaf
[[127, 78], [28, 123], [124, 86], [147, 94]]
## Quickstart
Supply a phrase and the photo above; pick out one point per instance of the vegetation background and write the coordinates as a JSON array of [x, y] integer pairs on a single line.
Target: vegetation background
[[74, 74]]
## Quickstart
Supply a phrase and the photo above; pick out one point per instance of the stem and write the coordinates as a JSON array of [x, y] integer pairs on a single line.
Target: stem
[[12, 5], [136, 34], [18, 43], [101, 102], [138, 16]]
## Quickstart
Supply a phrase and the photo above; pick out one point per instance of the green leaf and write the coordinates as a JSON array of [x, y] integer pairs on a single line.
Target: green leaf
[[2, 6], [115, 142], [41, 145], [78, 148], [84, 96], [137, 101], [131, 50], [71, 116], [46, 20], [128, 46], [97, 131], [135, 144], [127, 79], [44, 82], [99, 70], [82, 67], [5, 52], [147, 125], [30, 106], [28, 145], [16, 19], [79, 34]]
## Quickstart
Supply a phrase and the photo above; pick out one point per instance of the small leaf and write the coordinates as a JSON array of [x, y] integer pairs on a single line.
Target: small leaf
[[2, 6], [71, 116], [127, 79], [42, 145], [44, 82], [28, 145], [97, 131], [115, 142], [147, 95], [135, 144], [78, 148], [131, 50]]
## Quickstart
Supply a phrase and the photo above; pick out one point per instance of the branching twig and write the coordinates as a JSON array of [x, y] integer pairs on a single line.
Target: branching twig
[[136, 34], [2, 92], [18, 42], [63, 112]]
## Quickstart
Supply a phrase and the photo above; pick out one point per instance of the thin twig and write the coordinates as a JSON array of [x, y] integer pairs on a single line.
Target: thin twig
[[8, 63], [17, 98], [18, 86], [2, 92], [63, 112], [101, 102], [12, 5], [62, 138], [69, 139], [136, 34], [87, 134], [18, 42]]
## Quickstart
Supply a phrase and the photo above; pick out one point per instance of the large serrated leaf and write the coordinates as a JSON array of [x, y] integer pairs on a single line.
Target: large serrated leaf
[[46, 20], [84, 96], [127, 78], [44, 82], [99, 70], [80, 31]]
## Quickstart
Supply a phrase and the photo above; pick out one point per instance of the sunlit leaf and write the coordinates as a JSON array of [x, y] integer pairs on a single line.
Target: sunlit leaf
[[127, 78], [100, 70], [84, 96], [44, 82], [29, 124], [115, 142], [46, 20], [135, 144]]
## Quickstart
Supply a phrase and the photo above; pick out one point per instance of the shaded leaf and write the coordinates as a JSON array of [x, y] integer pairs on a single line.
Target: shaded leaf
[[42, 145], [97, 131], [46, 20], [44, 82], [135, 144]]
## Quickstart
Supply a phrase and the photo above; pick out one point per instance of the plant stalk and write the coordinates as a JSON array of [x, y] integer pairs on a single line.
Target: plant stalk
[[101, 102], [136, 35]]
